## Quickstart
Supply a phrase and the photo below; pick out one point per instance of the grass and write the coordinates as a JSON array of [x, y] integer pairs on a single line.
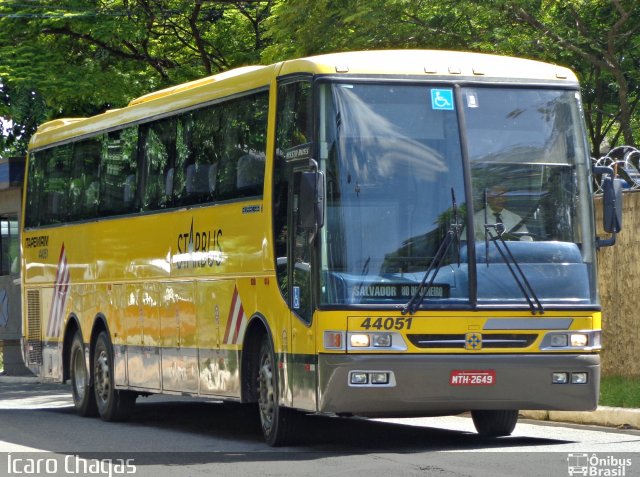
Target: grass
[[618, 391]]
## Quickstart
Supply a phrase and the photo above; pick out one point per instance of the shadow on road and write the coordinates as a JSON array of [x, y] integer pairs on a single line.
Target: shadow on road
[[231, 426]]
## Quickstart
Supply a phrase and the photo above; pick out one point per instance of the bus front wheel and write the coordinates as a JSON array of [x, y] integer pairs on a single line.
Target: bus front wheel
[[279, 424], [113, 405], [494, 423], [83, 398]]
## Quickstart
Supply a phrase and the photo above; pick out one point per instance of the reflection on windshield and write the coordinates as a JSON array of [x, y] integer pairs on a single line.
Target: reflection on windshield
[[392, 156], [532, 181]]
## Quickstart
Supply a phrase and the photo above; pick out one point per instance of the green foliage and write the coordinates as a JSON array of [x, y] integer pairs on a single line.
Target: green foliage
[[596, 38], [85, 56], [599, 40], [618, 391], [299, 28], [80, 57]]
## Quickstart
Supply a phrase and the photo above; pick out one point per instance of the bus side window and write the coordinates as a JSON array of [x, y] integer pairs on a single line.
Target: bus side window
[[119, 172], [159, 152], [84, 180], [242, 143], [36, 201], [252, 133], [58, 172]]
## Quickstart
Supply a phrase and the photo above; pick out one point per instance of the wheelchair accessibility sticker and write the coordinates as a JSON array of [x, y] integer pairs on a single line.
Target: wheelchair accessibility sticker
[[442, 99]]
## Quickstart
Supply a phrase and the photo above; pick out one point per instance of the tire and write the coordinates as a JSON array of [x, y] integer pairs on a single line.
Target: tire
[[279, 424], [494, 423], [113, 405], [84, 398]]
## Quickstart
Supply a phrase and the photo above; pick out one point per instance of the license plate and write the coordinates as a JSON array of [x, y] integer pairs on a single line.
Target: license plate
[[485, 377]]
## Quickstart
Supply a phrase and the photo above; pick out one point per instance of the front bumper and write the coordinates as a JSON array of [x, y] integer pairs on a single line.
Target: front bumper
[[422, 386]]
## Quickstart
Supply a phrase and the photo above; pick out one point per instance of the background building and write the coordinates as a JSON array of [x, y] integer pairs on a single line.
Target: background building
[[11, 177]]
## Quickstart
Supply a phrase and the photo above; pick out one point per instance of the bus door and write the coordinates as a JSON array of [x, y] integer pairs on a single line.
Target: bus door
[[293, 248], [302, 359]]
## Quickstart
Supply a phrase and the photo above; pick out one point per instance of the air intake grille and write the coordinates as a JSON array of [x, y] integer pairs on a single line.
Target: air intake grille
[[34, 327], [489, 341]]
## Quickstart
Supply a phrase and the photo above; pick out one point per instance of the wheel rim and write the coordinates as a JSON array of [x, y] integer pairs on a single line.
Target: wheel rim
[[79, 375], [102, 381], [266, 388]]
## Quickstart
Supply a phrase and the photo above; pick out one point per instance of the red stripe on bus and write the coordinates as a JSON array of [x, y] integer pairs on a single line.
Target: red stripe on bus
[[231, 315]]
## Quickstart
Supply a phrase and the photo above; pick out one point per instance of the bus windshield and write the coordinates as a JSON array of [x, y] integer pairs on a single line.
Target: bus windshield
[[394, 164]]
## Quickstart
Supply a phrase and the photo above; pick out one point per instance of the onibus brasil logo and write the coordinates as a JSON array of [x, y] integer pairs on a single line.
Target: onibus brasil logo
[[596, 466]]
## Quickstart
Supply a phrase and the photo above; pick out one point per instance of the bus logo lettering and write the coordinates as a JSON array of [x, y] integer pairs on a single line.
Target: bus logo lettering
[[36, 242], [198, 249]]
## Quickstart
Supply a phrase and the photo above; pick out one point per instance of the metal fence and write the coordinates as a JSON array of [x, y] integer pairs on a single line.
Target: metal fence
[[625, 161]]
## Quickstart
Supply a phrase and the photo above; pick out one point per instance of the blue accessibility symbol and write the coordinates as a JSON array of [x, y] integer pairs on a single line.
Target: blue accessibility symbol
[[442, 99]]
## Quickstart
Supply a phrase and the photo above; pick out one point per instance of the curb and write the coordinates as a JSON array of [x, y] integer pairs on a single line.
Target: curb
[[19, 380], [620, 417]]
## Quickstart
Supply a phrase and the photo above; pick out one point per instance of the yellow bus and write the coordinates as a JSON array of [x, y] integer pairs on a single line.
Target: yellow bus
[[383, 233]]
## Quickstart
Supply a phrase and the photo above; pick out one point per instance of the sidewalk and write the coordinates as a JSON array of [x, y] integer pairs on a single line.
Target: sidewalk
[[18, 379], [621, 417]]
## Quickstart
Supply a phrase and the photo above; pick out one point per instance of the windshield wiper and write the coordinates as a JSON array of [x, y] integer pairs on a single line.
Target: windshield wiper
[[516, 272], [453, 235]]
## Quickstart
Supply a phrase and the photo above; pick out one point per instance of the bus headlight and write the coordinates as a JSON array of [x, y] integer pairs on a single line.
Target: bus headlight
[[379, 378], [579, 378], [360, 341], [371, 379], [381, 340], [559, 341], [579, 340], [572, 340], [359, 378], [375, 341], [560, 378]]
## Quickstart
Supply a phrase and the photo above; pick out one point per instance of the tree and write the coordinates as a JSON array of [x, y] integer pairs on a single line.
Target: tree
[[300, 28], [601, 37], [26, 110], [81, 57], [597, 38], [86, 56]]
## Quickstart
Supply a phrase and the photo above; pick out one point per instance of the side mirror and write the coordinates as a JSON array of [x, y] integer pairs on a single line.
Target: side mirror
[[612, 204], [311, 205]]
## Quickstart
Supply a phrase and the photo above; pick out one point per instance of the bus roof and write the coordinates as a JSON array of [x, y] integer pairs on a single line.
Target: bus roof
[[406, 63], [429, 63]]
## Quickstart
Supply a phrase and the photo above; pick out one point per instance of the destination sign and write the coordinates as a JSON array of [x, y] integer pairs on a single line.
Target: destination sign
[[397, 291]]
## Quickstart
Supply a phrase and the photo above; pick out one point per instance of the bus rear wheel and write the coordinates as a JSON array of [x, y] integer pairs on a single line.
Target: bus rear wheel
[[83, 397], [279, 424], [112, 404], [495, 423]]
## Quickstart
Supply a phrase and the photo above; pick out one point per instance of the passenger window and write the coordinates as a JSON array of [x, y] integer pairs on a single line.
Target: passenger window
[[55, 199], [159, 154], [84, 186], [119, 172]]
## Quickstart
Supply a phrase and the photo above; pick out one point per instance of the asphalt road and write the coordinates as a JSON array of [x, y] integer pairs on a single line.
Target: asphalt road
[[173, 436]]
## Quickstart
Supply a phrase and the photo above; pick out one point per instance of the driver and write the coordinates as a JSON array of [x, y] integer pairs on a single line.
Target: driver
[[497, 213]]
